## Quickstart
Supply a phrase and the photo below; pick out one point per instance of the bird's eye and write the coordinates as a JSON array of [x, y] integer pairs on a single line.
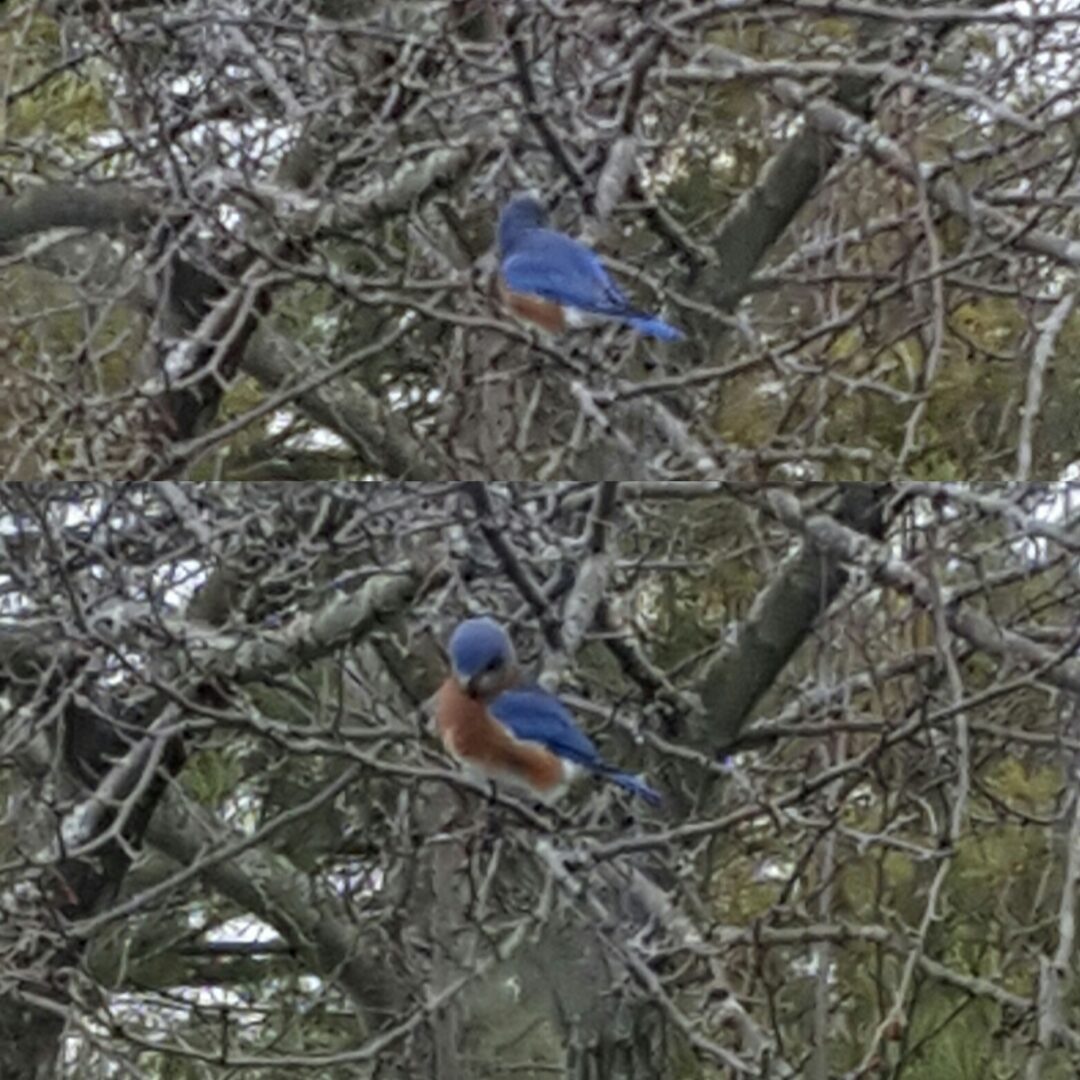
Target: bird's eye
[[494, 664]]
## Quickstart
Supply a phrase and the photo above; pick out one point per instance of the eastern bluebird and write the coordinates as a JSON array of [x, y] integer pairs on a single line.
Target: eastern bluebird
[[523, 736], [556, 282]]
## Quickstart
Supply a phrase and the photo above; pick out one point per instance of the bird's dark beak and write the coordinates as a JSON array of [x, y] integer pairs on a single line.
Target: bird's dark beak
[[468, 686]]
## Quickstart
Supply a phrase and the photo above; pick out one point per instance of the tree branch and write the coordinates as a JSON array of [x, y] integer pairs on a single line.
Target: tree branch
[[73, 206], [782, 617], [832, 536]]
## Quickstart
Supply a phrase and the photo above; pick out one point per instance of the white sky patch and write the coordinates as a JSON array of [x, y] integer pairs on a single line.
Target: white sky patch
[[242, 812], [280, 421], [863, 795], [772, 388], [327, 324], [797, 471], [159, 1020], [809, 965], [1058, 507], [356, 878], [63, 515], [179, 581], [245, 929], [413, 395], [773, 870], [11, 602], [319, 438]]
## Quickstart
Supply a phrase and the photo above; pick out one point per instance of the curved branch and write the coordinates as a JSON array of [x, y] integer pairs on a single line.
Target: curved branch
[[840, 542], [72, 206], [381, 438], [782, 617]]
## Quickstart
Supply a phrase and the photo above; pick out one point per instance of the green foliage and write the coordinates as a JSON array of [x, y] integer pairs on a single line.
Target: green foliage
[[68, 104], [951, 1036], [687, 610], [241, 397], [737, 890], [172, 1067], [1029, 788], [212, 775]]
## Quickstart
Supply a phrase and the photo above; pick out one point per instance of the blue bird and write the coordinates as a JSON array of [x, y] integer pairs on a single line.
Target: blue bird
[[555, 281], [504, 732]]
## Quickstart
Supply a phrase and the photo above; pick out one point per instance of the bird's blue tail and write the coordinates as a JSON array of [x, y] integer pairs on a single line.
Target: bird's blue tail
[[636, 785], [653, 326]]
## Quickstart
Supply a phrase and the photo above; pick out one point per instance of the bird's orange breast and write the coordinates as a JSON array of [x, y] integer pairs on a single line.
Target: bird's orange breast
[[471, 734], [545, 313]]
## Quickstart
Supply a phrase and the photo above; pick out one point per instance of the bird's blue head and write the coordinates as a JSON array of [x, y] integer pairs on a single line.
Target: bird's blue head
[[521, 214], [482, 657]]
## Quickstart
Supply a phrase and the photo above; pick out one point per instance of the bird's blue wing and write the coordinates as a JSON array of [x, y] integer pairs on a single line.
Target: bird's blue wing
[[636, 786], [534, 715], [546, 263]]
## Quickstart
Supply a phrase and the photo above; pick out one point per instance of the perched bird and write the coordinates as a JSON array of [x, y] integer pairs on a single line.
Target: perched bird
[[556, 282], [522, 736]]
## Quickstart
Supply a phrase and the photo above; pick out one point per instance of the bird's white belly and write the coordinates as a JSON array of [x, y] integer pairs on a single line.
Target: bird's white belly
[[577, 319], [486, 773]]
